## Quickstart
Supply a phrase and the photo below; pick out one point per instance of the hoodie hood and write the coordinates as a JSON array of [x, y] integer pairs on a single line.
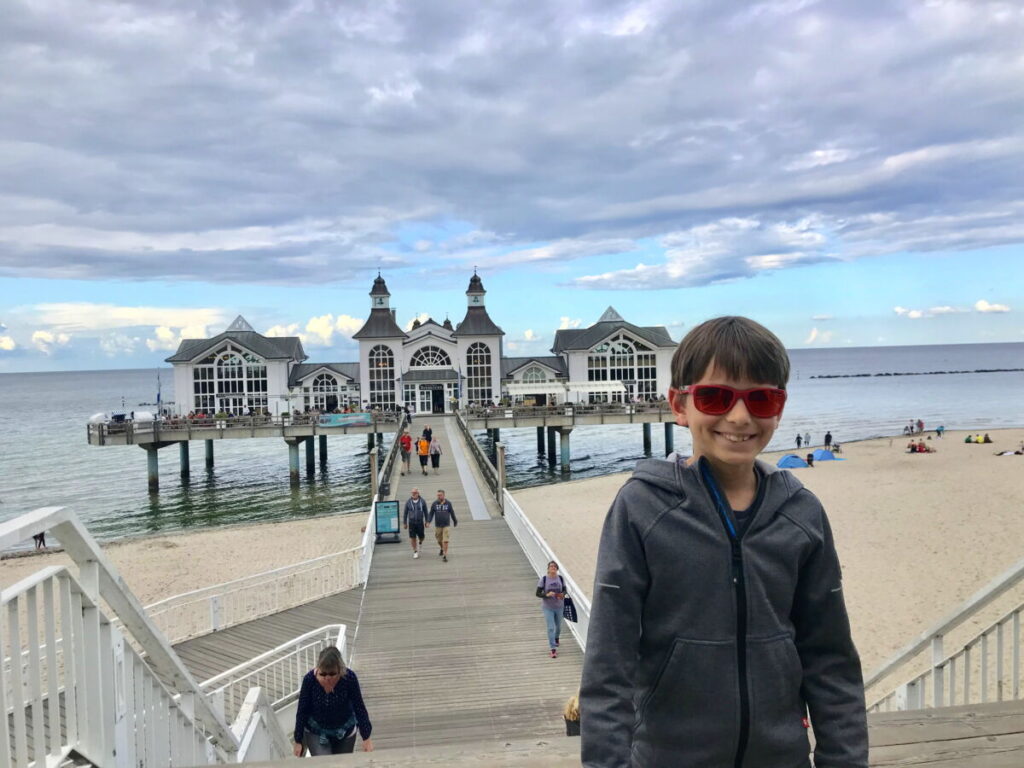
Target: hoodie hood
[[675, 477]]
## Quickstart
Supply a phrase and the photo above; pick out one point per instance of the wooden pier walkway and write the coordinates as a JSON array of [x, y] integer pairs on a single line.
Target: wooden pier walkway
[[447, 653]]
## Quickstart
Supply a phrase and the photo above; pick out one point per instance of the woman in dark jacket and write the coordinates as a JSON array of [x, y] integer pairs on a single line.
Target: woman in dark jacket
[[330, 709]]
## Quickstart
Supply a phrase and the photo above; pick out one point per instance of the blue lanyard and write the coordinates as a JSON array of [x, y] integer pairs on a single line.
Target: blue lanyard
[[709, 480]]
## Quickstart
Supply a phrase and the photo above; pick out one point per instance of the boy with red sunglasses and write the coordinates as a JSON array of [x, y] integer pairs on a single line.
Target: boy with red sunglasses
[[718, 623]]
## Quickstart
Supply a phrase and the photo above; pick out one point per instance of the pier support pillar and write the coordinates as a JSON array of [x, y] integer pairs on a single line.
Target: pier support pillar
[[293, 459], [183, 456], [496, 435], [540, 441], [551, 446], [323, 450], [369, 442], [647, 439], [670, 438], [153, 469], [310, 456], [209, 453], [564, 441]]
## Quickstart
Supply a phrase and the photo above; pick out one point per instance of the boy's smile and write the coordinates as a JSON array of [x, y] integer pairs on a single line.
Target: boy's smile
[[732, 440]]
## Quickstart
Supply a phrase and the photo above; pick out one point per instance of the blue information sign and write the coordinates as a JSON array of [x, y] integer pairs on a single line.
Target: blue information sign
[[385, 516]]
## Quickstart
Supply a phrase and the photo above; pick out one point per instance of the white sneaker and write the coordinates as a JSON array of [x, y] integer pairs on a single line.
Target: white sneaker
[[415, 554]]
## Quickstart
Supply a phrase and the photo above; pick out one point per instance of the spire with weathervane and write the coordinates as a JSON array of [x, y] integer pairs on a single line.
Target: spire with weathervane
[[477, 322], [381, 323]]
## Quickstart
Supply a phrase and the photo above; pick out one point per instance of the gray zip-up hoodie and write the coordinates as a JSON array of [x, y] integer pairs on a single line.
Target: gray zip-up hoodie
[[706, 651]]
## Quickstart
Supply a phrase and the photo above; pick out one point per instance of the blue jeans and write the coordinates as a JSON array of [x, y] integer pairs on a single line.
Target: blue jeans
[[553, 617]]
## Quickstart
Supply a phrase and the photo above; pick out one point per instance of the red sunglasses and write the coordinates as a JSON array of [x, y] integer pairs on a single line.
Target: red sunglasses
[[718, 399]]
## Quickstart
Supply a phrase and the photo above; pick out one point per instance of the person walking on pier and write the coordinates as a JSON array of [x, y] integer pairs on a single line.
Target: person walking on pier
[[414, 518], [442, 515], [435, 454], [423, 450], [330, 709], [551, 590], [405, 445], [428, 432]]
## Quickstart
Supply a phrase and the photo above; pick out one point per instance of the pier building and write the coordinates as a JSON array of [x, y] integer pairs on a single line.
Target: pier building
[[431, 368]]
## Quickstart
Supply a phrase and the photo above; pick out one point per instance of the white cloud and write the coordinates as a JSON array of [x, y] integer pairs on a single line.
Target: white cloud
[[7, 344], [566, 323], [167, 338], [320, 330], [820, 157], [45, 341], [529, 335], [277, 331], [85, 317], [818, 337], [945, 310], [913, 314], [117, 344], [983, 306], [422, 317], [822, 318]]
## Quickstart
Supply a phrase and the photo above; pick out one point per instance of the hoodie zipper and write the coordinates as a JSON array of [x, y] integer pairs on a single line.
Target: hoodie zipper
[[740, 591]]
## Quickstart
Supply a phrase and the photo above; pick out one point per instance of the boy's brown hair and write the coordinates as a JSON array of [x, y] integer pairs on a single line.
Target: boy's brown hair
[[738, 346]]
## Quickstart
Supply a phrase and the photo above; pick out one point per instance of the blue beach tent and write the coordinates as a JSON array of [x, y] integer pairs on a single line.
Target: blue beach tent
[[791, 460], [822, 455]]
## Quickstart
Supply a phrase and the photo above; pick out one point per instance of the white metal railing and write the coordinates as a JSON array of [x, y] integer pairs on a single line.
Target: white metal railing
[[487, 469], [259, 732], [116, 701], [96, 702], [209, 609], [277, 672], [219, 606], [986, 667], [539, 553]]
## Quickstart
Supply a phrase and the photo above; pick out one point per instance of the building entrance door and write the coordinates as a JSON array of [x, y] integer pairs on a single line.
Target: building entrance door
[[426, 401], [438, 400]]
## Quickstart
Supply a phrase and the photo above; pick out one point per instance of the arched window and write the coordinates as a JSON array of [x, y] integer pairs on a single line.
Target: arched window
[[229, 380], [382, 377], [534, 375], [325, 392], [430, 357], [627, 360], [478, 373]]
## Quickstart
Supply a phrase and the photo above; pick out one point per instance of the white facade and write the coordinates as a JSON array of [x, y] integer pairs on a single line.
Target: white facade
[[428, 368]]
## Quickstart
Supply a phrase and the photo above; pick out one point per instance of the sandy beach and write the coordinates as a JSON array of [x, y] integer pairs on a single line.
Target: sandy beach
[[162, 566], [916, 533]]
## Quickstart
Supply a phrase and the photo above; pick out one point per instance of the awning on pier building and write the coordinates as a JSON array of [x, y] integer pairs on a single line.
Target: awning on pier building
[[535, 388], [596, 386]]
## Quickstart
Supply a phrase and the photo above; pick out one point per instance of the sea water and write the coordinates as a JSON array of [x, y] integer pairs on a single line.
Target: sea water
[[45, 459]]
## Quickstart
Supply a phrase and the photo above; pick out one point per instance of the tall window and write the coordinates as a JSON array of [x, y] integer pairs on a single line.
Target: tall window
[[626, 360], [382, 377], [478, 373], [230, 380], [325, 392], [430, 357], [534, 375]]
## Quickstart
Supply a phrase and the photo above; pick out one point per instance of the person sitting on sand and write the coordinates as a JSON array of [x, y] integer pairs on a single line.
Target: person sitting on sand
[[911, 447], [987, 439], [969, 439], [979, 439]]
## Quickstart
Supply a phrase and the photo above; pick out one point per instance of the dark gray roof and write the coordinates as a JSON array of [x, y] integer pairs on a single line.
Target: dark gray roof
[[477, 323], [585, 338], [476, 285], [430, 374], [380, 288], [380, 325], [299, 372], [267, 347], [510, 365]]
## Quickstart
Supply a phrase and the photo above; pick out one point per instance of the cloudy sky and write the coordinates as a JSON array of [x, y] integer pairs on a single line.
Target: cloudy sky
[[848, 172]]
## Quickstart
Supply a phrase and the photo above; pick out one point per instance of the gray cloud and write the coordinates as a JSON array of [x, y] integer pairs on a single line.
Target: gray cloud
[[148, 141]]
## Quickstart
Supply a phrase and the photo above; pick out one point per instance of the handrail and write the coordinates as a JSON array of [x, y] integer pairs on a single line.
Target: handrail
[[278, 671], [112, 708], [539, 553], [388, 465], [933, 636], [487, 469], [100, 579]]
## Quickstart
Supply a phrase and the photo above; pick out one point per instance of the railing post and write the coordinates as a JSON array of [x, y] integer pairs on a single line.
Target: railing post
[[92, 670], [937, 672], [121, 721], [501, 477], [373, 474], [215, 613]]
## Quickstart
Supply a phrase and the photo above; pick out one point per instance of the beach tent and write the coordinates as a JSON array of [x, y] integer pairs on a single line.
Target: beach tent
[[791, 460], [822, 455]]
